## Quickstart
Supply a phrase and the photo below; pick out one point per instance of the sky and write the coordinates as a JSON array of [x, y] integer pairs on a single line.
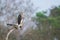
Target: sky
[[45, 4]]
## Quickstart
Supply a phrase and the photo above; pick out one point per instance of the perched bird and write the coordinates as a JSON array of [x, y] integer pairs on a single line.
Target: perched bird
[[19, 21]]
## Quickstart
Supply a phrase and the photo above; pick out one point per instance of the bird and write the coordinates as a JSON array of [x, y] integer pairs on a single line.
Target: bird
[[19, 22], [19, 19], [16, 26]]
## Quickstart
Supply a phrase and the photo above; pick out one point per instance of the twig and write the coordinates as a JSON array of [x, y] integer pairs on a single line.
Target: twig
[[9, 33], [14, 28]]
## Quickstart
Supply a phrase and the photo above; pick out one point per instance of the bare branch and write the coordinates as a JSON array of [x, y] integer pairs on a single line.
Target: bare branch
[[9, 33]]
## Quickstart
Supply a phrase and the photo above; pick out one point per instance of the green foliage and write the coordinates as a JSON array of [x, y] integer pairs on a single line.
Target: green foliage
[[41, 17], [55, 12], [53, 21], [40, 14]]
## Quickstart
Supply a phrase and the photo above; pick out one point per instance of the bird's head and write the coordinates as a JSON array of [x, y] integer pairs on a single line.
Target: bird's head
[[22, 14]]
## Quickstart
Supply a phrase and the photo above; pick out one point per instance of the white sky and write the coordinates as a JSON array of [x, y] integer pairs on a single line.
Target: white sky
[[45, 4]]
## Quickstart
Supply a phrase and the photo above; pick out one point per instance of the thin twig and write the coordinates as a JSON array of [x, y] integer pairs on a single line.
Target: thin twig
[[9, 33]]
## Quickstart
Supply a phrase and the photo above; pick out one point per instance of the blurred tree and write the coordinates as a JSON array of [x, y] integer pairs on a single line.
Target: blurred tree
[[49, 25], [55, 11], [55, 21], [44, 26]]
